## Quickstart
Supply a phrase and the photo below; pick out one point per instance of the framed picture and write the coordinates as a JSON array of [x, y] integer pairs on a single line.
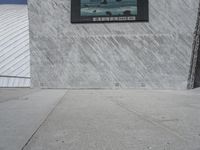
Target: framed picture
[[98, 11]]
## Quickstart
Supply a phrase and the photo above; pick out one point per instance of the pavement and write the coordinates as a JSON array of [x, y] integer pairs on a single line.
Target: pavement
[[48, 119]]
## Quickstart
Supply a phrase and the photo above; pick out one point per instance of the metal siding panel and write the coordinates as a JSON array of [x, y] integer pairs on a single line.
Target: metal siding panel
[[14, 46]]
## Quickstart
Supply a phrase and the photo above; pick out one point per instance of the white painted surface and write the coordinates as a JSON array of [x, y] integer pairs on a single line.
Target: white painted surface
[[14, 46], [14, 82]]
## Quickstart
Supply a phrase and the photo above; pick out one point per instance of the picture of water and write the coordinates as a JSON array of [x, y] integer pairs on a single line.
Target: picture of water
[[108, 7]]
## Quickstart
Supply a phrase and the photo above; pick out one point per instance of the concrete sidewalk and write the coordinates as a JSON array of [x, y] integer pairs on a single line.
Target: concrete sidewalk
[[100, 120], [22, 111]]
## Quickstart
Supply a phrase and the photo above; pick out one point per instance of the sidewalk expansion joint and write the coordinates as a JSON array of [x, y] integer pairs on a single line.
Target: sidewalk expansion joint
[[48, 115]]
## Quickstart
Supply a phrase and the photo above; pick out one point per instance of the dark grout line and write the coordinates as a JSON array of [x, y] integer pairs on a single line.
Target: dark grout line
[[48, 115]]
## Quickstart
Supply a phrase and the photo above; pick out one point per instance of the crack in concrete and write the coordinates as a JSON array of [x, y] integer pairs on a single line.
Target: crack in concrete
[[149, 120]]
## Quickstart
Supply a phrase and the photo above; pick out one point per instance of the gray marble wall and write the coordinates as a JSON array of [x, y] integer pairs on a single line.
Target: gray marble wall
[[154, 55]]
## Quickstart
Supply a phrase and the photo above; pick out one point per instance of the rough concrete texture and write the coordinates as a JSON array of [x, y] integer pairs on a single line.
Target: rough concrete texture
[[122, 120], [21, 113], [101, 120], [127, 55]]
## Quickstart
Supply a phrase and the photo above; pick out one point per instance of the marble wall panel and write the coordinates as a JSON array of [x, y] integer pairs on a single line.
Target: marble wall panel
[[153, 55]]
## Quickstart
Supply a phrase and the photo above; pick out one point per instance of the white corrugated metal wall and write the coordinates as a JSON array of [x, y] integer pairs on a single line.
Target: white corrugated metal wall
[[14, 46]]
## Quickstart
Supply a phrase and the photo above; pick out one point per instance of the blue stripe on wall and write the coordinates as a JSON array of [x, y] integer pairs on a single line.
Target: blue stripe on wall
[[13, 1]]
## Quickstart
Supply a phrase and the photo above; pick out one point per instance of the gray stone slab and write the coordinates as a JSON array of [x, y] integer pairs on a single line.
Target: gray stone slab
[[122, 119], [127, 55], [21, 113]]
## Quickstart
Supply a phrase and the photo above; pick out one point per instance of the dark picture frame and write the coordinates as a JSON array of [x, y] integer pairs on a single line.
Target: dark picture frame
[[142, 14]]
